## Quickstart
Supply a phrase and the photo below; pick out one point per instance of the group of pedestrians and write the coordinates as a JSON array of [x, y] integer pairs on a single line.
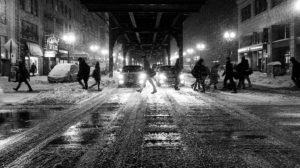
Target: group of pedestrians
[[240, 72], [84, 74]]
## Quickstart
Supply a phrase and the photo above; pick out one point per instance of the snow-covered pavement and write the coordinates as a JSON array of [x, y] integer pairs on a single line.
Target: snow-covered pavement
[[120, 127]]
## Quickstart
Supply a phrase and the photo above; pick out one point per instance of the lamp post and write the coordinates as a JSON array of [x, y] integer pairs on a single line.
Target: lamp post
[[94, 48], [200, 47], [229, 36], [69, 39]]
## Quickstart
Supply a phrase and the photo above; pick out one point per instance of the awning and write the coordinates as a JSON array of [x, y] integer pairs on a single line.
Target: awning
[[34, 49]]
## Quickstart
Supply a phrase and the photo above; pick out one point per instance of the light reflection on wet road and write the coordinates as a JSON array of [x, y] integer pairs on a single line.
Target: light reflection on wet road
[[168, 129]]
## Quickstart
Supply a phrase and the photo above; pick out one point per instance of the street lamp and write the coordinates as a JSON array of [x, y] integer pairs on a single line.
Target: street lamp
[[296, 5], [229, 36], [94, 48], [69, 39], [200, 46]]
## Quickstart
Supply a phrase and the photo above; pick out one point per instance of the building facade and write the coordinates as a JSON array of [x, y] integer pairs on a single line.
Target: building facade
[[37, 26], [268, 32]]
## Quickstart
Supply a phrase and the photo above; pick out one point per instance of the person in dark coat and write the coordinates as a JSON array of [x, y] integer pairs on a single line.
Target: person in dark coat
[[228, 73], [23, 76], [83, 73], [150, 73], [97, 76], [200, 72], [214, 76], [177, 71], [33, 69], [295, 72], [244, 73]]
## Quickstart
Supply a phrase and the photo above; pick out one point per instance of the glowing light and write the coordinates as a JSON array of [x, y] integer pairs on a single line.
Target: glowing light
[[229, 35], [190, 51], [121, 77], [162, 77], [297, 5], [94, 48], [181, 77], [104, 51], [69, 38], [184, 53], [121, 82], [200, 46], [143, 76]]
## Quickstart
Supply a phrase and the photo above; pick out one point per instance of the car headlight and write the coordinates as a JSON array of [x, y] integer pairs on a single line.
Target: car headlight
[[121, 82], [143, 76], [121, 77], [181, 77], [162, 77]]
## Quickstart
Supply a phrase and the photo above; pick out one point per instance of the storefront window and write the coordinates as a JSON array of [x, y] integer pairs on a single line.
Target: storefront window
[[3, 11]]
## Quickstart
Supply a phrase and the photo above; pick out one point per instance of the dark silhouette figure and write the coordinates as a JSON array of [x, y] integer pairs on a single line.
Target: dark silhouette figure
[[200, 72], [97, 76], [228, 73], [244, 73], [177, 71], [150, 73], [33, 69], [23, 76], [214, 76], [295, 72], [83, 73]]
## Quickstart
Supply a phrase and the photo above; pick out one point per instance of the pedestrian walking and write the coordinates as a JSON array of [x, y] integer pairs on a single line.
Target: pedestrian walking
[[23, 76], [97, 76], [83, 73], [228, 73], [200, 72], [244, 73], [150, 73], [295, 72], [214, 76], [177, 71], [33, 69]]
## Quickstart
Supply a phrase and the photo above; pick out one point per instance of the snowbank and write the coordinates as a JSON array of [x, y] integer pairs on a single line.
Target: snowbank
[[61, 95], [261, 79]]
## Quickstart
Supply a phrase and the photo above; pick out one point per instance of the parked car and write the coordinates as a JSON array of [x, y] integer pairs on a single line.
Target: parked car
[[132, 75], [166, 76], [63, 73]]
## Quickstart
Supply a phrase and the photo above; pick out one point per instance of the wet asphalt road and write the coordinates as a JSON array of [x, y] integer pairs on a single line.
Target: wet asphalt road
[[123, 128]]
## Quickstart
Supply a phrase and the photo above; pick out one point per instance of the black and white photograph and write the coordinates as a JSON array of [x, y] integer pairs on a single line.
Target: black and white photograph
[[149, 83]]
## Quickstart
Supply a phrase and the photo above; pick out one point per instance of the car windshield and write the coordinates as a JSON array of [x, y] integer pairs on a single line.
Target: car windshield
[[61, 68], [166, 68], [132, 69]]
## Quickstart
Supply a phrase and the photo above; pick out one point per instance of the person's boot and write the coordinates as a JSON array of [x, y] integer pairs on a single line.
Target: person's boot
[[16, 89], [154, 91]]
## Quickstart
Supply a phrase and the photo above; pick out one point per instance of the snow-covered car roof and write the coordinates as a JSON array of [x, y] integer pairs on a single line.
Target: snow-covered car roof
[[61, 68]]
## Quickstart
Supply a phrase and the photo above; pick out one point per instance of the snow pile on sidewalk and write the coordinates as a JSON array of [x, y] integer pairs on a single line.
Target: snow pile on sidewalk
[[261, 79], [61, 95]]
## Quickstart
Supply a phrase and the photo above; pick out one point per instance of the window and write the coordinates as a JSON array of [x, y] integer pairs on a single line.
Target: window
[[277, 2], [30, 6], [260, 6], [22, 4], [246, 13], [29, 31], [3, 11], [3, 40]]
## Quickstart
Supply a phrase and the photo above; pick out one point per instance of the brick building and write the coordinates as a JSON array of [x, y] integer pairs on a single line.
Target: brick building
[[31, 22], [268, 32]]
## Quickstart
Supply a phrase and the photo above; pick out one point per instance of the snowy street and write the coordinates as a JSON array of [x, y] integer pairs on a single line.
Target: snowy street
[[120, 127]]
